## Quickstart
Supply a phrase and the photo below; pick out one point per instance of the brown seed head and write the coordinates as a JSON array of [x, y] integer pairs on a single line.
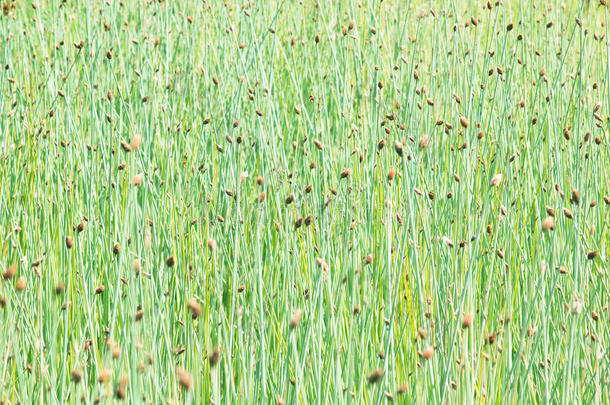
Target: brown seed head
[[10, 272], [184, 379], [296, 319], [135, 142], [424, 142], [212, 244], [125, 146], [575, 198], [121, 387], [214, 357], [194, 307], [21, 282], [398, 148], [467, 320], [59, 288], [548, 224], [76, 375], [464, 121], [104, 375], [375, 376]]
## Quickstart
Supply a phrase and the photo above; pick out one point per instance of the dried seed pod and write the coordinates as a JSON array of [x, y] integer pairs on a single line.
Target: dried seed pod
[[20, 285], [76, 375], [121, 387], [575, 198], [298, 223], [345, 173], [464, 122], [194, 307], [467, 320], [496, 180], [135, 142], [592, 254], [398, 148], [567, 213], [550, 211], [125, 146], [548, 224], [391, 174], [322, 263], [10, 272], [428, 352], [214, 357], [69, 242], [424, 142], [104, 375], [296, 319], [184, 379], [170, 261], [212, 244], [59, 288], [375, 376], [447, 241]]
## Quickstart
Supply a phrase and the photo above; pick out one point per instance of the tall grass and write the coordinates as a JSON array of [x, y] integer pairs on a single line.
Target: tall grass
[[205, 201]]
